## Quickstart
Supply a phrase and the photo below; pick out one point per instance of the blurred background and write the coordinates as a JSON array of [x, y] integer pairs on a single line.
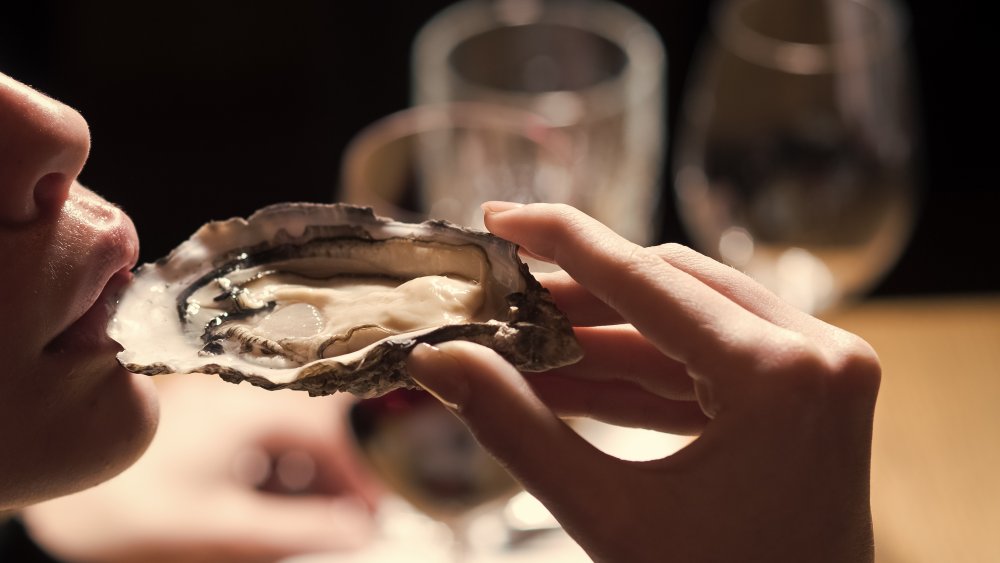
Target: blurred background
[[207, 110], [202, 110]]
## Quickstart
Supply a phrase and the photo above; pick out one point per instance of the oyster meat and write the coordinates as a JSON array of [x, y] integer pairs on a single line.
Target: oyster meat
[[327, 298]]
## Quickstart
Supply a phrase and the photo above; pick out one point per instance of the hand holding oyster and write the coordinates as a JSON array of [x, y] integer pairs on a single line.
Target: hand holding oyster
[[327, 298]]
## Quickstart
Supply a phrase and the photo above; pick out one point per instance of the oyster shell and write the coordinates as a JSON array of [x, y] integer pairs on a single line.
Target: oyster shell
[[327, 298]]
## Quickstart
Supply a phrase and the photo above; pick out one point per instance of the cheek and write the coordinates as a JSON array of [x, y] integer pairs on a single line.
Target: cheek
[[34, 293], [59, 435]]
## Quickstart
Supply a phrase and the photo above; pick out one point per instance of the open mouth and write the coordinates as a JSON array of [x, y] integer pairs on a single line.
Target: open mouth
[[90, 330]]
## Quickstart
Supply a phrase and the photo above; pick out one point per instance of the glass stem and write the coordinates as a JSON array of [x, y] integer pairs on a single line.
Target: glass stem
[[460, 546]]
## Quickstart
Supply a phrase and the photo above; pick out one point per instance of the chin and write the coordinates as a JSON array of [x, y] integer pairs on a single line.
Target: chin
[[124, 420], [80, 437]]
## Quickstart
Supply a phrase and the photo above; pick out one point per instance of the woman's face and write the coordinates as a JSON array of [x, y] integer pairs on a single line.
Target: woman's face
[[70, 416]]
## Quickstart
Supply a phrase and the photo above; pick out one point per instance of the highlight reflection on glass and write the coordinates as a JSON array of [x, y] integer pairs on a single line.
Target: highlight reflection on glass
[[795, 156]]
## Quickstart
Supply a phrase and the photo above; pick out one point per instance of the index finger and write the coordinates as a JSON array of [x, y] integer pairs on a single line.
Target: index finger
[[579, 304], [682, 316]]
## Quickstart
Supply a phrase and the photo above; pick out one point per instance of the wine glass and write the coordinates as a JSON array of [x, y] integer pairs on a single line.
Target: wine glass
[[442, 161], [794, 160], [427, 456], [594, 70]]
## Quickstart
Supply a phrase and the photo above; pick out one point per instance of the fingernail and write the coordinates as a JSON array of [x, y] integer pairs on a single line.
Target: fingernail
[[440, 374], [494, 207], [540, 257], [706, 398]]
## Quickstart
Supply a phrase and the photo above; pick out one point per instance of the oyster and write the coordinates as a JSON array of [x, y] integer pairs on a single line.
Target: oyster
[[327, 298]]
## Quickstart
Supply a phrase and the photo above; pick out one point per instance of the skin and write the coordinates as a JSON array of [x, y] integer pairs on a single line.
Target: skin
[[782, 404], [71, 416]]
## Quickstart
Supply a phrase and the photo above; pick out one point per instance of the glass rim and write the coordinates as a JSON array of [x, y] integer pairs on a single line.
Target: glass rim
[[809, 58], [643, 69], [410, 122]]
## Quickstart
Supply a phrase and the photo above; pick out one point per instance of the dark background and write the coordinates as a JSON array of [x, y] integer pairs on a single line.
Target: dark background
[[204, 110]]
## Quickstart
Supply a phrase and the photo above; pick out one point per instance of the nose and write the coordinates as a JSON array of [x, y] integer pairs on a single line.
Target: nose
[[43, 145]]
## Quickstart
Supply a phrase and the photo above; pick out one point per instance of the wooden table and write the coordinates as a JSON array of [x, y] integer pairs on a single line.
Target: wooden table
[[936, 451]]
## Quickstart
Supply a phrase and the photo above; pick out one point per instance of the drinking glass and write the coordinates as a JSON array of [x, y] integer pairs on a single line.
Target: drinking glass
[[593, 69], [442, 161], [427, 456], [794, 160]]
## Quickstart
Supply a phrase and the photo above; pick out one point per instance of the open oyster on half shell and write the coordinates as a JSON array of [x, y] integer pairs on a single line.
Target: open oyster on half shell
[[327, 298]]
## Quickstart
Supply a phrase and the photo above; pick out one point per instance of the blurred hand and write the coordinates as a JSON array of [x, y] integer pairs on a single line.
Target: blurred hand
[[676, 342], [235, 473]]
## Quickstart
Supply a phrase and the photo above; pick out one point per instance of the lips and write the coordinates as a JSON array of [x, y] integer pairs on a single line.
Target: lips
[[99, 273], [89, 332]]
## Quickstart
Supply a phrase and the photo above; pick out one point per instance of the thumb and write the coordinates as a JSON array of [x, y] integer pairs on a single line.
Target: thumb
[[549, 459]]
